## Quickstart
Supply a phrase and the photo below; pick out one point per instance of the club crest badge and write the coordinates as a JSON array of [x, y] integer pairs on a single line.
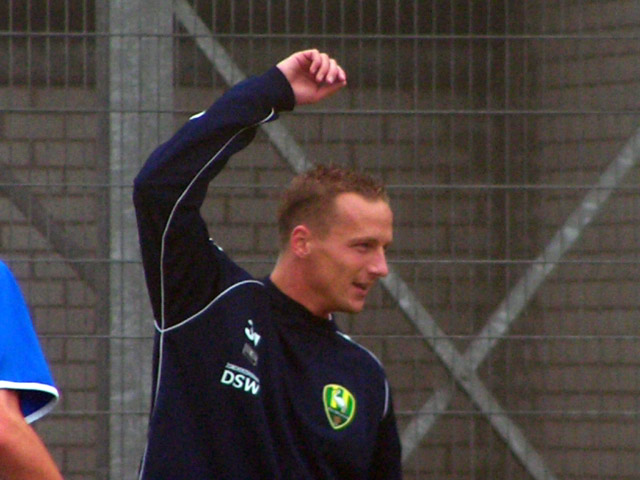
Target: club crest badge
[[339, 405]]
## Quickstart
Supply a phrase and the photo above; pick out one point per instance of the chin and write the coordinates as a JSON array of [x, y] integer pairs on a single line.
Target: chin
[[349, 309], [355, 308], [350, 305]]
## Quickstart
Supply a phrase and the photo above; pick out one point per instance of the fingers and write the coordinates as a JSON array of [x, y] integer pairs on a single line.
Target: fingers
[[324, 68], [312, 75]]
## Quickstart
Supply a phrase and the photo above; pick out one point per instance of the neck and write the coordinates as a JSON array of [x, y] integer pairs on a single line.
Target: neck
[[290, 280]]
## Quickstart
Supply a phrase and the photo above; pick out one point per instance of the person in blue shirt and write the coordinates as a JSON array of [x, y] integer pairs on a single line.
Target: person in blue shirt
[[27, 391], [252, 377]]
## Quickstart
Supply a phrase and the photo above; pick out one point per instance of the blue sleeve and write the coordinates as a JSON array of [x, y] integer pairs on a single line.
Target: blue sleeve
[[183, 269], [23, 367]]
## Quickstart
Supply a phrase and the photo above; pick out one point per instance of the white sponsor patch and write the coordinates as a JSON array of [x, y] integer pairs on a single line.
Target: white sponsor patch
[[240, 378]]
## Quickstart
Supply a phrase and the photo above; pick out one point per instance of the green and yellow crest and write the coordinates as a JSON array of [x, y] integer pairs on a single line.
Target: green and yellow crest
[[339, 405]]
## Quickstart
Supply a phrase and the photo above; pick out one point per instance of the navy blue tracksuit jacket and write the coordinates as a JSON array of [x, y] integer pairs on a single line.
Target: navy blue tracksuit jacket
[[248, 384]]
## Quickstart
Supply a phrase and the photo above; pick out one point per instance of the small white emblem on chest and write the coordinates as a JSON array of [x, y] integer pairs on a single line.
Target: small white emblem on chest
[[251, 334]]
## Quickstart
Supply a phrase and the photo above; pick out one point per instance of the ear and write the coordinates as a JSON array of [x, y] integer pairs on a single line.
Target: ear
[[300, 240]]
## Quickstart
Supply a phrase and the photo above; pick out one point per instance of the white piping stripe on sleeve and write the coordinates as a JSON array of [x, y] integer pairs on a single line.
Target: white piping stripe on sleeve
[[386, 398], [187, 320], [186, 190], [38, 387], [161, 327]]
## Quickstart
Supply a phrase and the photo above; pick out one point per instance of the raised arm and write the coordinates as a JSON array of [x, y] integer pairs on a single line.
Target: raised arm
[[182, 267]]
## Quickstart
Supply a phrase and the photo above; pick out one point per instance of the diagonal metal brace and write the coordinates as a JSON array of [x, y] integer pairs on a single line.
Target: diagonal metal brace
[[468, 380], [523, 292], [278, 134], [291, 151], [48, 226]]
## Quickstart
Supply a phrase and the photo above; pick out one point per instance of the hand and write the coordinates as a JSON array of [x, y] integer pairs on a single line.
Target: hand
[[313, 75]]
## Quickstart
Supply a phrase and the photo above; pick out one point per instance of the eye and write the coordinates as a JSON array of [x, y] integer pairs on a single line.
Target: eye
[[363, 247]]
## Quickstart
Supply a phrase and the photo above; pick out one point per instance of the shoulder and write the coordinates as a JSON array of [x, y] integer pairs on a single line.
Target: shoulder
[[369, 371], [243, 288], [238, 298], [6, 277], [365, 356]]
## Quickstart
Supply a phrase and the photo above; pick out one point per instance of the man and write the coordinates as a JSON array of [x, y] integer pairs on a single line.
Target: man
[[252, 379], [26, 390]]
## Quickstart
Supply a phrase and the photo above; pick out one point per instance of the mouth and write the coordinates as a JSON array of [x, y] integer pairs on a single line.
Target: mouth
[[363, 288]]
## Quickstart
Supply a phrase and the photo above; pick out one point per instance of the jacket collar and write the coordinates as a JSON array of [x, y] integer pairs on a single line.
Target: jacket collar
[[297, 314]]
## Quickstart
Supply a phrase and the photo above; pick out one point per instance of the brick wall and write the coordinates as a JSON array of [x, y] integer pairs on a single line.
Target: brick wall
[[566, 374], [590, 303], [51, 213]]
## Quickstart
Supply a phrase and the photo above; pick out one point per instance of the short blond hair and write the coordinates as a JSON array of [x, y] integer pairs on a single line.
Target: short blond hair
[[310, 195]]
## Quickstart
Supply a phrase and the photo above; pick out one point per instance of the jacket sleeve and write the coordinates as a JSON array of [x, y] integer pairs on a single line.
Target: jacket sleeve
[[183, 268]]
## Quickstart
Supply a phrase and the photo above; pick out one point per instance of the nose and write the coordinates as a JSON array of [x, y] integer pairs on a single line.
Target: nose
[[379, 266]]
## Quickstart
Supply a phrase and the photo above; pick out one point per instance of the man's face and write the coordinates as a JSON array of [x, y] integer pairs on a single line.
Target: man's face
[[350, 257]]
